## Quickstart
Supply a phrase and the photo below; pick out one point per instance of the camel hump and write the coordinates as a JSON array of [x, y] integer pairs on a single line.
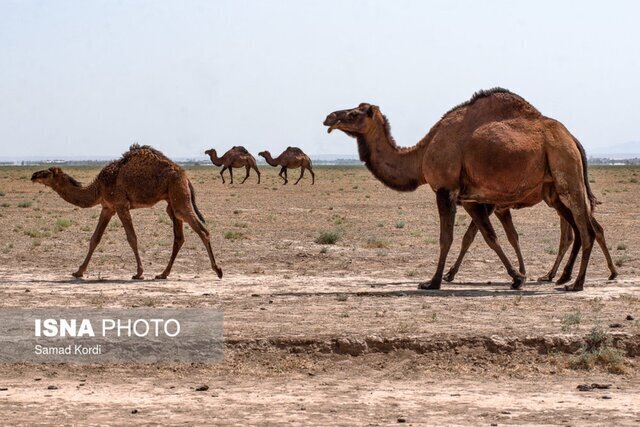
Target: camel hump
[[295, 150], [140, 149], [241, 149], [506, 103]]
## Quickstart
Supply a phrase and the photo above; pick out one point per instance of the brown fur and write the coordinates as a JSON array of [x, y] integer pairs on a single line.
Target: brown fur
[[236, 157], [291, 158], [494, 150], [140, 179]]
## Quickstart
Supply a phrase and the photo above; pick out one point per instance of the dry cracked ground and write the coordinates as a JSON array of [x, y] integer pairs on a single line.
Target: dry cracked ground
[[331, 333]]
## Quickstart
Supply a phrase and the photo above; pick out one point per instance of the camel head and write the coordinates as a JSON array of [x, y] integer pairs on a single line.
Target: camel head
[[48, 176], [264, 154], [355, 121], [211, 151]]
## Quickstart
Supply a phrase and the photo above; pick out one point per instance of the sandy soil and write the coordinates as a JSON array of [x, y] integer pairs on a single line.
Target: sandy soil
[[324, 334]]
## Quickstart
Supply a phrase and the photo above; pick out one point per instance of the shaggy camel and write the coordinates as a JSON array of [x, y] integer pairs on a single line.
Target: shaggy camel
[[494, 150], [236, 157], [291, 158], [140, 179], [566, 237]]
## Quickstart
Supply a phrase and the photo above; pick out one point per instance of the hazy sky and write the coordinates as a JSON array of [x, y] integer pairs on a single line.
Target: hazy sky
[[85, 78]]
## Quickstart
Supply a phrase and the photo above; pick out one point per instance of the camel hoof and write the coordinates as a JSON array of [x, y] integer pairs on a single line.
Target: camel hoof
[[77, 274], [574, 288], [161, 277], [545, 278], [429, 285], [613, 275], [449, 276], [138, 277], [518, 282], [563, 279], [219, 273]]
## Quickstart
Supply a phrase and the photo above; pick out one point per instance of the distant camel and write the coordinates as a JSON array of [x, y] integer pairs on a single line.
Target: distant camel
[[236, 157], [140, 179], [291, 158], [494, 150]]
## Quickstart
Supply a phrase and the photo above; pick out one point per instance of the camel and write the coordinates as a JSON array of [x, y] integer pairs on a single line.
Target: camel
[[566, 238], [236, 157], [140, 179], [495, 149], [291, 158]]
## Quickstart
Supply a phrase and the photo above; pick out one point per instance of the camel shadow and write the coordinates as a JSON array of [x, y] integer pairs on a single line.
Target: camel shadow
[[72, 281], [496, 289]]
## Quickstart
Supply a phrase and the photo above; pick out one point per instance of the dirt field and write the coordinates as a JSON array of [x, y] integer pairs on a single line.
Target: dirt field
[[334, 333]]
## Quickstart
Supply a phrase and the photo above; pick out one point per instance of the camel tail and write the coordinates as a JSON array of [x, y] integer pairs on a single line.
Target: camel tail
[[193, 203], [585, 174]]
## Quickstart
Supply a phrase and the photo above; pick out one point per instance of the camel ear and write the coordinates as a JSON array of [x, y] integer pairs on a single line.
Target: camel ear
[[55, 171], [372, 110]]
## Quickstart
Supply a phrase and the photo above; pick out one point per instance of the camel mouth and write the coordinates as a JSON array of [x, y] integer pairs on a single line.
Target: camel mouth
[[333, 126]]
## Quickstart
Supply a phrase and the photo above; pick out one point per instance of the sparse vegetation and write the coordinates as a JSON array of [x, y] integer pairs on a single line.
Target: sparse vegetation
[[377, 243], [36, 234], [621, 260], [571, 320], [551, 250], [342, 297], [62, 223], [26, 204], [233, 235], [328, 237], [621, 247], [598, 352], [400, 224]]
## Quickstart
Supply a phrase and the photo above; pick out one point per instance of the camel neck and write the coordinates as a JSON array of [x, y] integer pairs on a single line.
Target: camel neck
[[215, 159], [84, 197], [271, 160], [397, 168]]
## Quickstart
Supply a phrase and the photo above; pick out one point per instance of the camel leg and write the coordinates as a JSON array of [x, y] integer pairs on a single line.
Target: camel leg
[[103, 221], [566, 238], [221, 175], [127, 223], [468, 238], [191, 219], [565, 277], [512, 235], [301, 175], [178, 241], [585, 234], [603, 245], [480, 215], [231, 174], [283, 174], [313, 176], [447, 212], [255, 168], [248, 168]]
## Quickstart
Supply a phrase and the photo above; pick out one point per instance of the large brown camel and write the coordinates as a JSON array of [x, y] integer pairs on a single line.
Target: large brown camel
[[291, 158], [494, 150], [566, 238], [236, 157], [140, 179]]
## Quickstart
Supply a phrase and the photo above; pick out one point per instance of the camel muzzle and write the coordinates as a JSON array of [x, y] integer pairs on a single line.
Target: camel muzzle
[[332, 121]]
